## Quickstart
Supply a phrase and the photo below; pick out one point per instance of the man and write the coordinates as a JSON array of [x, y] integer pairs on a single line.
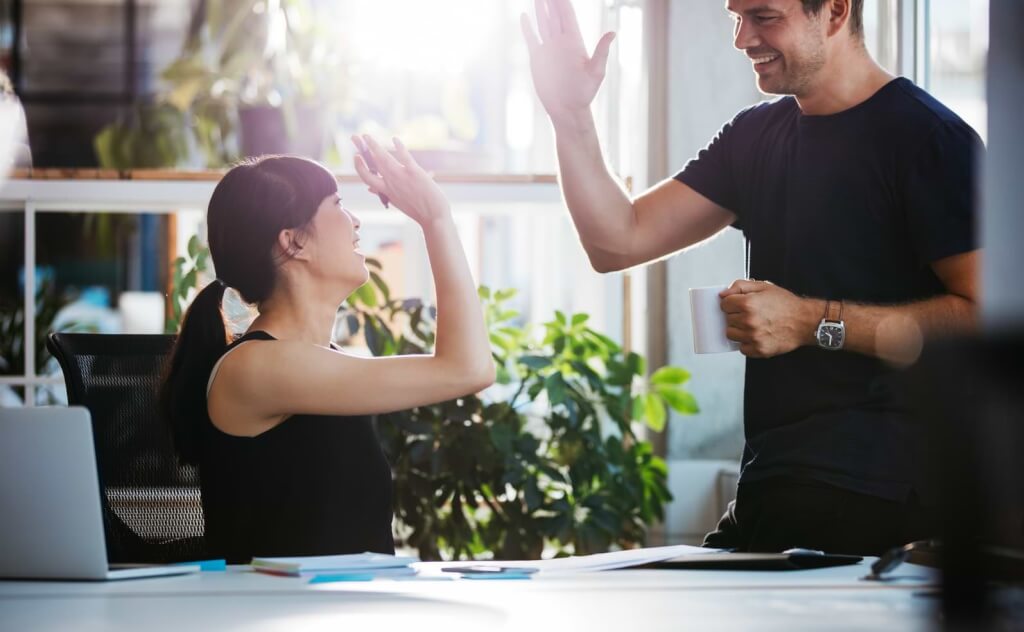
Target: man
[[855, 195]]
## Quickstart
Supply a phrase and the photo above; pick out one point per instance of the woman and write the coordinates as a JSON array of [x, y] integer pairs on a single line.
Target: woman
[[278, 419]]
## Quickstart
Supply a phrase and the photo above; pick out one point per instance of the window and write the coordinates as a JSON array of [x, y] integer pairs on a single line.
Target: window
[[881, 32], [452, 79], [940, 44], [957, 36]]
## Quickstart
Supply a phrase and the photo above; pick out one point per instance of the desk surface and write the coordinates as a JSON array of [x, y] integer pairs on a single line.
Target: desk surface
[[611, 600]]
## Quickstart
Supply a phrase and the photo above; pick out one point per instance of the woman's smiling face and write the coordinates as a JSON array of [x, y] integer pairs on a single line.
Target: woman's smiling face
[[335, 239]]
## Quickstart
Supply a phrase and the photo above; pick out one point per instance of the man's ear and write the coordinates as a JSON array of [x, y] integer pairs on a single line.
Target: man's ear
[[839, 15], [290, 244]]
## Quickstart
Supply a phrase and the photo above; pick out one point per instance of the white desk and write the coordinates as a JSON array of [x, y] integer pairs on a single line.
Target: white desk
[[647, 600]]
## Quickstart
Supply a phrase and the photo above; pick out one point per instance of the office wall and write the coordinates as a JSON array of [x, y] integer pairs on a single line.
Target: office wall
[[709, 82], [1002, 219]]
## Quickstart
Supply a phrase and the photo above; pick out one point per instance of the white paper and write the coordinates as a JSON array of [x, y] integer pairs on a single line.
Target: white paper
[[582, 563]]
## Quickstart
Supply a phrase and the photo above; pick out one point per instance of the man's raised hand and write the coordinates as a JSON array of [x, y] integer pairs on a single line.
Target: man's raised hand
[[565, 76]]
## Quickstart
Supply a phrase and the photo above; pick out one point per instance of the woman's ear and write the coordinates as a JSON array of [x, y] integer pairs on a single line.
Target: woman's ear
[[290, 245]]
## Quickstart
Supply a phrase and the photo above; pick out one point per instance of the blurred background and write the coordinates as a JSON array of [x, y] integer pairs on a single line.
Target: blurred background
[[183, 87]]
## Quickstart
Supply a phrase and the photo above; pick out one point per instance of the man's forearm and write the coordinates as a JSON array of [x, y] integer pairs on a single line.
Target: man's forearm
[[895, 332], [601, 210]]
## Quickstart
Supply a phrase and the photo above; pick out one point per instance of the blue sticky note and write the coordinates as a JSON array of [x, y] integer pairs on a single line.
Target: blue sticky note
[[341, 577], [207, 565]]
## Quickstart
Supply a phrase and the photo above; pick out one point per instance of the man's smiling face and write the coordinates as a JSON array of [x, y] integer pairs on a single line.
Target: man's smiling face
[[785, 45]]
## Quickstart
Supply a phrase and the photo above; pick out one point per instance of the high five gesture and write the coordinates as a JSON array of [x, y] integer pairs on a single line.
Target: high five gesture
[[565, 76]]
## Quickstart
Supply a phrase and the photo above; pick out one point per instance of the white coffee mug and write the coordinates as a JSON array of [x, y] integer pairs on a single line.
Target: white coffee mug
[[709, 321]]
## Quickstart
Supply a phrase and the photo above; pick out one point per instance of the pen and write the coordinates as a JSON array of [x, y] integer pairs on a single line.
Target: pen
[[489, 570]]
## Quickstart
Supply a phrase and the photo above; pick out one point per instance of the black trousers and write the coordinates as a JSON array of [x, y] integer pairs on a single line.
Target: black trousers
[[780, 513]]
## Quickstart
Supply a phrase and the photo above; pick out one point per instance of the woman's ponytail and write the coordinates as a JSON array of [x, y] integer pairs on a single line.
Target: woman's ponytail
[[201, 341]]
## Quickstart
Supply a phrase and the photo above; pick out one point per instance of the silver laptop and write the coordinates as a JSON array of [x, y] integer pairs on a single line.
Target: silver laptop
[[52, 522]]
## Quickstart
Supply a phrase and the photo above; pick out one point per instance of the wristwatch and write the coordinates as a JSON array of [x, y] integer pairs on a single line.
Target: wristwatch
[[831, 334]]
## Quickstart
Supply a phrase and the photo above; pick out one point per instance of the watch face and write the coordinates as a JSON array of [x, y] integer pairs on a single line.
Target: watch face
[[830, 336]]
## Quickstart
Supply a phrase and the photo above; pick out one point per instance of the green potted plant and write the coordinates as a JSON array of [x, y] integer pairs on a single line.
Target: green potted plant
[[552, 460]]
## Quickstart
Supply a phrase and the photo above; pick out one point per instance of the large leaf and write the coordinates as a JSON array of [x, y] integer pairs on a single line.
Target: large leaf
[[678, 399], [366, 295], [654, 412], [535, 362], [556, 388], [670, 375]]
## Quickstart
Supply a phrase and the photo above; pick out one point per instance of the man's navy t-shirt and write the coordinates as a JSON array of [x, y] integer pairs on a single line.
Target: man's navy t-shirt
[[851, 206]]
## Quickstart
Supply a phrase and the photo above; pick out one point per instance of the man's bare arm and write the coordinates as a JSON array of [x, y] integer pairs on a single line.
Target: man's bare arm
[[616, 232], [619, 233], [768, 320]]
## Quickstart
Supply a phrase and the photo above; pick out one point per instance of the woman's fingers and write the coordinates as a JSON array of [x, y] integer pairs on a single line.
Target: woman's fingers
[[375, 182], [385, 161], [402, 154]]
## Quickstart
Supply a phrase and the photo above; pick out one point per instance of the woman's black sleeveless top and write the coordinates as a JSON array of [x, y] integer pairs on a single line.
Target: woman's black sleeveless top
[[312, 485]]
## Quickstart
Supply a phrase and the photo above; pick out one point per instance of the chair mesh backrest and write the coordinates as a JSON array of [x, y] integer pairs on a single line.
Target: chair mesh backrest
[[145, 488]]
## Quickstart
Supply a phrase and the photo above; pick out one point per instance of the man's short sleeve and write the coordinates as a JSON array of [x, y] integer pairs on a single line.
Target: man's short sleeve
[[940, 193], [710, 173]]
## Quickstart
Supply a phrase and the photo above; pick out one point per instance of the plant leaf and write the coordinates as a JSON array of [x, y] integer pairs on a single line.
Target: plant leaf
[[556, 387], [535, 362], [680, 400], [670, 375], [654, 412]]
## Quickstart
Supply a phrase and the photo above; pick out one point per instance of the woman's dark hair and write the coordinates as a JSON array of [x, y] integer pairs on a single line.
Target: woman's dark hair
[[250, 206]]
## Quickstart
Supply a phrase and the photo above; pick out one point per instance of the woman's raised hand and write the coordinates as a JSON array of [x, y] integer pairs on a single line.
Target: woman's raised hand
[[402, 180], [565, 77]]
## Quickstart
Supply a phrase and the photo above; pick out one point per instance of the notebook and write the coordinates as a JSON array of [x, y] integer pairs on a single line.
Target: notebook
[[52, 517], [354, 566]]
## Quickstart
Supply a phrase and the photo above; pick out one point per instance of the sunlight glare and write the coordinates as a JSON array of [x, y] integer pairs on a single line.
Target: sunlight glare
[[441, 36]]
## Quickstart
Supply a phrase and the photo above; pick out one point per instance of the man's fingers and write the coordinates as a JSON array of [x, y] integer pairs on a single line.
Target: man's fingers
[[532, 43], [733, 303], [567, 15], [555, 16], [737, 335], [744, 286], [543, 21], [599, 61], [735, 320], [749, 349]]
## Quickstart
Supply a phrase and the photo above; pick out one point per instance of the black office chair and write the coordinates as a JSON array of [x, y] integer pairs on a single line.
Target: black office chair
[[152, 504]]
